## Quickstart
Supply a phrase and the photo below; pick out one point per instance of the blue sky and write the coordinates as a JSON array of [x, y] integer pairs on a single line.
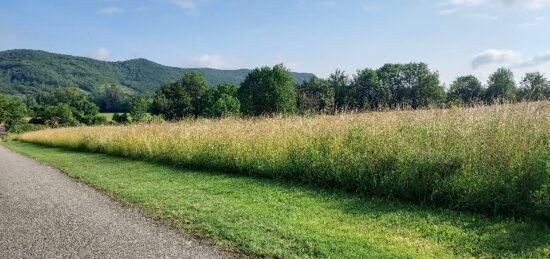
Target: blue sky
[[455, 37]]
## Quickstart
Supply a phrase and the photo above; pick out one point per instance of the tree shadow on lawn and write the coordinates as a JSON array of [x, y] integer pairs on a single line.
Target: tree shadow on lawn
[[463, 232]]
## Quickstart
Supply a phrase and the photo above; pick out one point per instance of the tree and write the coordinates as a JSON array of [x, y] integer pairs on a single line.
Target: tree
[[138, 108], [114, 99], [182, 98], [315, 95], [196, 86], [61, 114], [12, 111], [267, 91], [391, 77], [423, 84], [467, 89], [502, 86], [411, 85], [535, 87], [340, 82], [46, 104], [222, 101], [368, 90]]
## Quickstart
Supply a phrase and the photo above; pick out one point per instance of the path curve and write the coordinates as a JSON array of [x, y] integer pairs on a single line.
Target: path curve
[[46, 214]]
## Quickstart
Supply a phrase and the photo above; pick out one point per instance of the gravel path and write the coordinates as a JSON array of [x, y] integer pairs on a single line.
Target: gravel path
[[46, 214]]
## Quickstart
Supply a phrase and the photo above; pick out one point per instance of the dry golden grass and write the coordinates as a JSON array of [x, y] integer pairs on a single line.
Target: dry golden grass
[[493, 159]]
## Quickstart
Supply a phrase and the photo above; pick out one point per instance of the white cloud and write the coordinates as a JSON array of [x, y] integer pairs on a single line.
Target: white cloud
[[290, 65], [537, 4], [189, 6], [101, 54], [494, 56], [535, 61], [465, 2], [447, 11], [213, 61], [526, 4], [508, 57], [111, 10], [533, 22], [371, 7]]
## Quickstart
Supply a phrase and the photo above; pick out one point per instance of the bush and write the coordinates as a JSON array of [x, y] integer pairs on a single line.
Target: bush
[[122, 118], [26, 127]]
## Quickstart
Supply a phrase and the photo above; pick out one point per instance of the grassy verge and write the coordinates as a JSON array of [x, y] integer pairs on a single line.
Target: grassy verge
[[493, 159], [260, 217]]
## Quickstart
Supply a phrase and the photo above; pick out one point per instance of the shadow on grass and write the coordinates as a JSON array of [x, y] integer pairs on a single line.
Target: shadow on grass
[[464, 232]]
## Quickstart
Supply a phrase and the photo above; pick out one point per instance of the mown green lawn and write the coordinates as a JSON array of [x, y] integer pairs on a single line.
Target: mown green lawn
[[261, 217], [107, 115]]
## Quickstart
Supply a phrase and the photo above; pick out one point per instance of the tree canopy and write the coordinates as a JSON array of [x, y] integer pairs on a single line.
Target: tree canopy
[[12, 110], [534, 87], [182, 98], [63, 106], [315, 95], [268, 90], [501, 86], [467, 89], [222, 101], [139, 105]]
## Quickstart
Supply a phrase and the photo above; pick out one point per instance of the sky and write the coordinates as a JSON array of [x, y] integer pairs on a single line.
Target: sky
[[455, 37]]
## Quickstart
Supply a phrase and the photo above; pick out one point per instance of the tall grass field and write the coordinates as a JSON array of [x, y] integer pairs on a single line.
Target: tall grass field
[[493, 159]]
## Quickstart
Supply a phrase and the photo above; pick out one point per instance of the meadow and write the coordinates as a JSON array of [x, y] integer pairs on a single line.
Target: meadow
[[493, 159]]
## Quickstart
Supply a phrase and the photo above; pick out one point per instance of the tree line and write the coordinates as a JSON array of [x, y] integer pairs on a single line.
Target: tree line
[[272, 90]]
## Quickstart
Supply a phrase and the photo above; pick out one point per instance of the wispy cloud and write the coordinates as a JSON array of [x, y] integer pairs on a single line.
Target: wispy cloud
[[533, 22], [535, 61], [189, 6], [509, 58], [290, 65], [494, 56], [111, 10], [101, 54], [213, 61], [527, 4], [537, 4], [329, 3]]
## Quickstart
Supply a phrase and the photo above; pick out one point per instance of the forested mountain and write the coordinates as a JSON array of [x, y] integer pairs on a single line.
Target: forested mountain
[[30, 71]]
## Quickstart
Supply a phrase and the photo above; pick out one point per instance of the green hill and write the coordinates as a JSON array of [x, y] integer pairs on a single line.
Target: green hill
[[30, 71]]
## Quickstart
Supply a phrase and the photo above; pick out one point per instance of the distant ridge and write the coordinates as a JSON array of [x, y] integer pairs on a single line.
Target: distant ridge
[[30, 71]]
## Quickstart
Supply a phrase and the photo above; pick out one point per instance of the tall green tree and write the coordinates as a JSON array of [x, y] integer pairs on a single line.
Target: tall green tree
[[139, 105], [368, 90], [315, 95], [267, 91], [82, 109], [222, 101], [391, 77], [424, 85], [12, 111], [114, 99], [183, 98], [501, 86], [534, 87], [467, 89], [197, 87], [340, 82], [411, 84]]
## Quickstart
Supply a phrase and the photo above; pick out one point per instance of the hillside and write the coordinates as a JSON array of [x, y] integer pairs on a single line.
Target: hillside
[[30, 71]]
